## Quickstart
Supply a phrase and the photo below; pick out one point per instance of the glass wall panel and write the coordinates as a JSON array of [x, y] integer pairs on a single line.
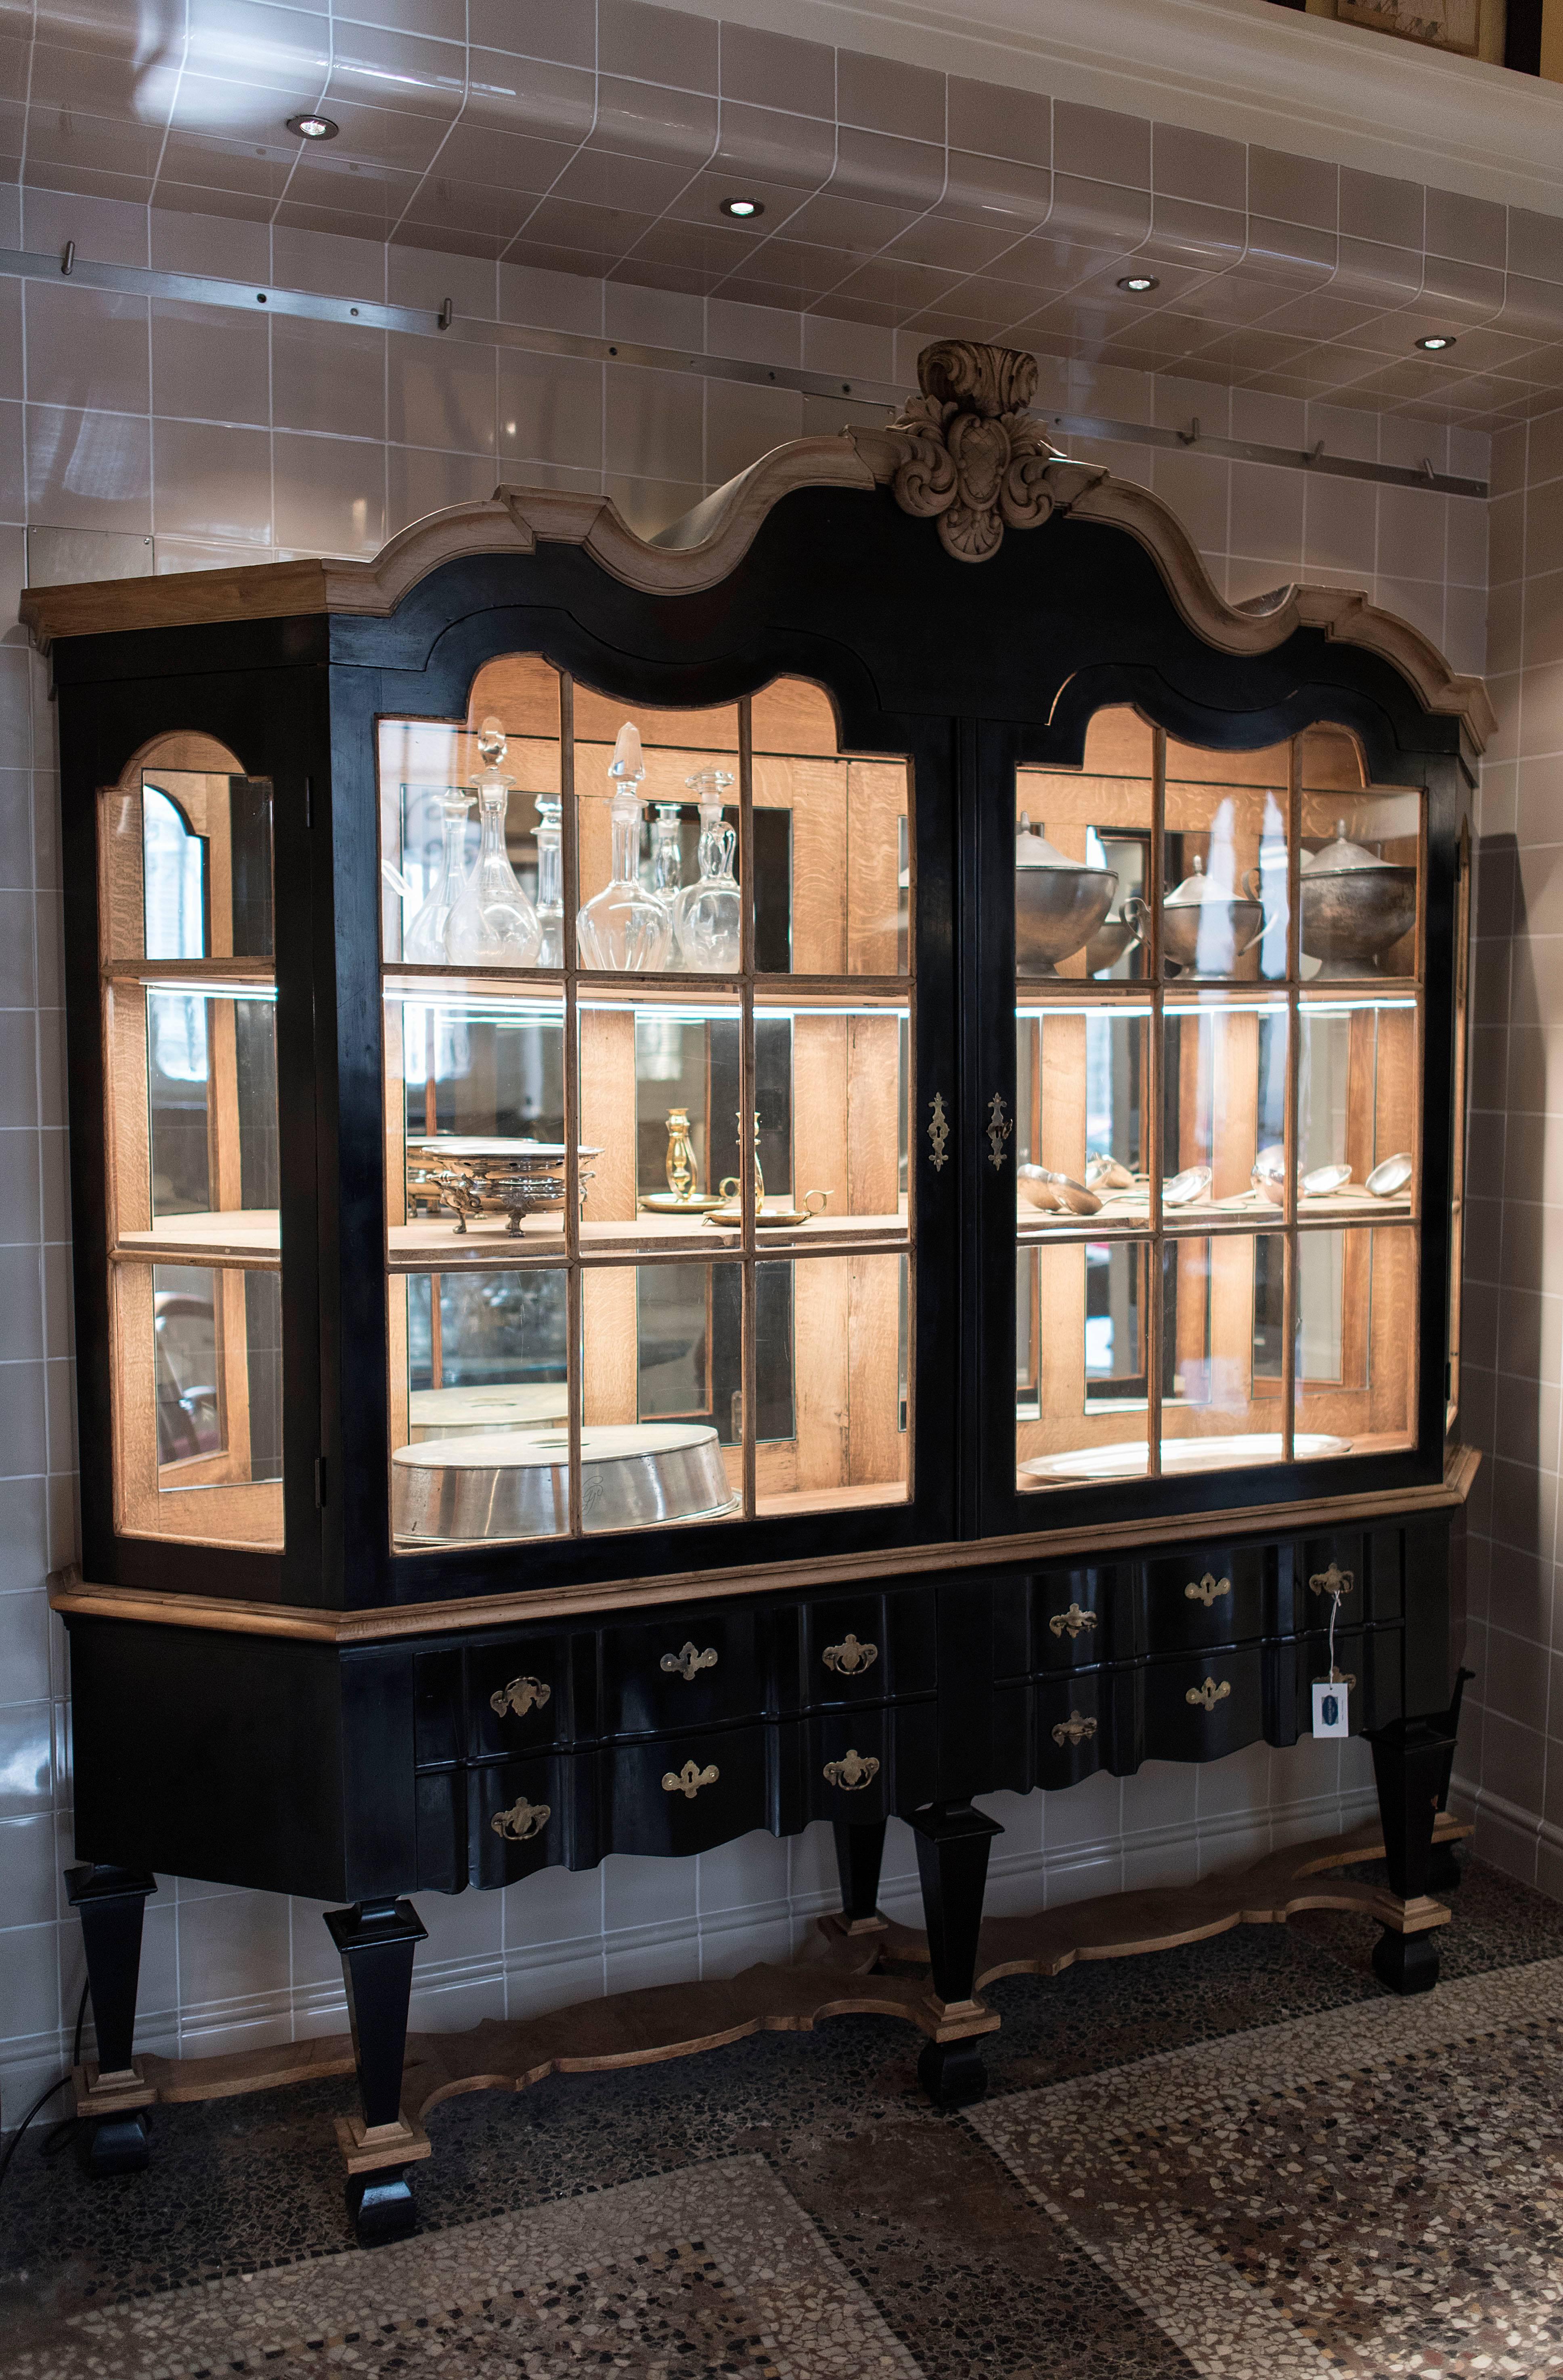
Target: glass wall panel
[[1083, 858], [1356, 1342], [1360, 872], [833, 844], [1223, 1082], [1083, 1346], [1357, 1097], [1224, 865], [480, 1406], [1222, 1306], [1082, 1080], [661, 1375], [831, 1348]]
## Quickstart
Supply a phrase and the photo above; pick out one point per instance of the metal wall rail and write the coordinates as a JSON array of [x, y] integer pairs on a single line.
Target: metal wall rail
[[428, 322]]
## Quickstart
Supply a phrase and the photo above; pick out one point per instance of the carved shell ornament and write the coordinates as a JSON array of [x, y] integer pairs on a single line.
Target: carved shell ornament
[[972, 455]]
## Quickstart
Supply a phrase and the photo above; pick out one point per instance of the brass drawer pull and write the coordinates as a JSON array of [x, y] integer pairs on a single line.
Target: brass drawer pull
[[689, 1780], [521, 1696], [858, 1770], [1208, 1590], [1332, 1581], [849, 1658], [1074, 1619], [1210, 1693], [688, 1662], [1076, 1729], [522, 1820]]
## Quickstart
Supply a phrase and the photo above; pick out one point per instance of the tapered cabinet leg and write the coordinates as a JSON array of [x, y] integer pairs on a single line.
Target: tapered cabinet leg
[[377, 1939], [110, 2093], [953, 1842], [1410, 1768], [860, 1853]]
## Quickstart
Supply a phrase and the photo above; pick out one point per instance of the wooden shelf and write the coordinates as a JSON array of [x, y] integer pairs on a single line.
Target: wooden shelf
[[433, 1243], [250, 1236]]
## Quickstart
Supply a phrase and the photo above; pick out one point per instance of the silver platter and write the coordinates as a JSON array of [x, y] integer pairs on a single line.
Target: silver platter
[[1392, 1175], [1127, 1460], [461, 1413], [515, 1483]]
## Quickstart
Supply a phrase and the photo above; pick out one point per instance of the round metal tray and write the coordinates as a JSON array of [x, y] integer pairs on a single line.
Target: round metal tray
[[1127, 1460], [515, 1483], [459, 1413]]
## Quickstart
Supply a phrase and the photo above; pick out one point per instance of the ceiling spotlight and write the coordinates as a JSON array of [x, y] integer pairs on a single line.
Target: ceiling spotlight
[[312, 127], [741, 210], [1435, 345], [1138, 283]]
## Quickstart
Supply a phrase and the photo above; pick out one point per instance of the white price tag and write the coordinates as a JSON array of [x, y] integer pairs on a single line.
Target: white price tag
[[1329, 1706]]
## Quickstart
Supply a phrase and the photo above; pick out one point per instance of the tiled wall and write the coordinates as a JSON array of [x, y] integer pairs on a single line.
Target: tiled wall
[[224, 437], [1511, 1755]]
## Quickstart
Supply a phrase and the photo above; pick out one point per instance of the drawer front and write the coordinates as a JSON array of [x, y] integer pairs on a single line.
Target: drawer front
[[517, 1818], [1369, 1660], [439, 1811], [518, 1697], [437, 1728], [1081, 1618], [1014, 1764], [864, 1649], [1206, 1595], [666, 1800], [1201, 1709], [1319, 1565], [1072, 1726], [863, 1765], [680, 1672]]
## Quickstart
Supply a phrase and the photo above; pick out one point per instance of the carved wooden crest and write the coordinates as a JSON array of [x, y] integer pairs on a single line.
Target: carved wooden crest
[[972, 456]]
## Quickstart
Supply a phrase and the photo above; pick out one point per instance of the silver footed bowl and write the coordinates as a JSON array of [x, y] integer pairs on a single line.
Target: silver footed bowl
[[1208, 937], [1351, 915], [1113, 938], [1058, 910], [515, 1483]]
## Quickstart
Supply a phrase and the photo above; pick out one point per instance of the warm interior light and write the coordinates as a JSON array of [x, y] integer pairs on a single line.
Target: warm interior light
[[312, 127], [743, 209], [1435, 345], [1138, 283]]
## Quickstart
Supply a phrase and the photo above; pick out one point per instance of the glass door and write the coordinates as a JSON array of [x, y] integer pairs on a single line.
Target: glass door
[[1208, 1163]]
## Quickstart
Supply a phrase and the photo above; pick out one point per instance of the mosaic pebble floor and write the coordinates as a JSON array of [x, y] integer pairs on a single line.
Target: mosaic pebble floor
[[1234, 2159]]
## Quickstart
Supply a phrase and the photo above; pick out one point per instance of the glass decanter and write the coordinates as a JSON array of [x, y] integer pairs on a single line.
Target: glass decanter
[[493, 924], [708, 912], [625, 926], [551, 883], [666, 864], [424, 944]]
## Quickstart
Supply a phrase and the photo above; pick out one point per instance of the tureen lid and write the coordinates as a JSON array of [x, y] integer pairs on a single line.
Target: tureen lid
[[1200, 887], [1034, 850], [1340, 858]]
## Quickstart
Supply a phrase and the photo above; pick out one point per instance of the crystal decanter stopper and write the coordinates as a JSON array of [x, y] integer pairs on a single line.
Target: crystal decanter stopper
[[551, 883], [625, 926], [425, 942], [493, 924], [708, 912]]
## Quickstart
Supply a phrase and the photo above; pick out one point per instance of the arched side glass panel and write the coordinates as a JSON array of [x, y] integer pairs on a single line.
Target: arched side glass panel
[[1218, 1120], [650, 1221], [194, 1243]]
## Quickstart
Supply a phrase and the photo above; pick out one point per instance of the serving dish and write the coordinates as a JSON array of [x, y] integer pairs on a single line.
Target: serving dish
[[461, 1413], [515, 1483], [1185, 1188], [1392, 1175], [1355, 907], [1126, 1460], [1060, 903], [478, 1175]]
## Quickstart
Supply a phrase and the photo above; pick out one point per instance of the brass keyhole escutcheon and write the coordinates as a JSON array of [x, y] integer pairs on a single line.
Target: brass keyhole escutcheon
[[1073, 1619], [688, 1662], [689, 1780], [1210, 1693], [519, 1696], [1208, 1590]]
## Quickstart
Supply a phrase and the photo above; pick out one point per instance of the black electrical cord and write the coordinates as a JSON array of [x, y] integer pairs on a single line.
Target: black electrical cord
[[14, 2144]]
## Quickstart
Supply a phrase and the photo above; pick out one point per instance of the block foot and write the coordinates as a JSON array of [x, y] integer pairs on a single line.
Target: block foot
[[381, 2205], [1406, 1962], [953, 2072], [116, 2144]]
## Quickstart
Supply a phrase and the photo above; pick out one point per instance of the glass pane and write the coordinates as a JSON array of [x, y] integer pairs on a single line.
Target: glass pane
[[1356, 1340], [832, 1086], [1081, 1078], [662, 1379], [832, 1428], [1082, 1357], [475, 1120], [190, 862], [194, 1090], [470, 826], [479, 1406], [1223, 1082], [656, 803], [1356, 1116], [660, 1115], [833, 848], [217, 1365], [1224, 864], [1358, 873], [1083, 858], [1222, 1305]]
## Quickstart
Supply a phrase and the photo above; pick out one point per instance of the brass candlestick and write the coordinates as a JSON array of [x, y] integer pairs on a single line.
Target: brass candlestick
[[682, 1169]]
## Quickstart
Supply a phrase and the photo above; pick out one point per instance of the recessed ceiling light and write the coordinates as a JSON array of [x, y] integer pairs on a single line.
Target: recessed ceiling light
[[312, 127], [743, 210], [1435, 343], [1138, 283]]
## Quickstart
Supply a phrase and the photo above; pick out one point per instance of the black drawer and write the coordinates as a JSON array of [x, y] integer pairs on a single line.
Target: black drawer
[[518, 1817], [1204, 1708], [680, 1672], [1080, 1617], [1072, 1716], [440, 1806], [667, 1800], [1208, 1595], [862, 1765], [1370, 1660], [437, 1730], [519, 1695], [865, 1647], [1321, 1564]]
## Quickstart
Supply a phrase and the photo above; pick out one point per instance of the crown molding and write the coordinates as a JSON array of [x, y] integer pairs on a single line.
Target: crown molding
[[1243, 69]]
